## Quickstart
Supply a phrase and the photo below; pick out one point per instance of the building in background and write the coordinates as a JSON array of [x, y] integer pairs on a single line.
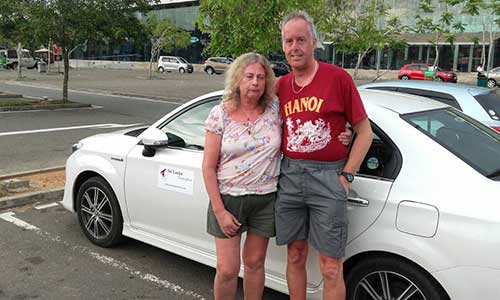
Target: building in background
[[463, 56]]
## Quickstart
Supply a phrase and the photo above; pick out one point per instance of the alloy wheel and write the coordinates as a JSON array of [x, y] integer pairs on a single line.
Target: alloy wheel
[[386, 285], [97, 213]]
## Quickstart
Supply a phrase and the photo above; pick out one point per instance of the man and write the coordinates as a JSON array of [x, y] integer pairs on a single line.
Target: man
[[316, 101]]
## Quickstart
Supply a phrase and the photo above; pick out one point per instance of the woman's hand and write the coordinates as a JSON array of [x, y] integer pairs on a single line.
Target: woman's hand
[[228, 223]]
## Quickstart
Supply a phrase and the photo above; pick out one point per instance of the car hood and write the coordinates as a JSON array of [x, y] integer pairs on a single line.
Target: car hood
[[116, 143]]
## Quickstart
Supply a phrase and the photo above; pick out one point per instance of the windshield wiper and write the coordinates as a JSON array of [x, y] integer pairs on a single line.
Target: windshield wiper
[[494, 174]]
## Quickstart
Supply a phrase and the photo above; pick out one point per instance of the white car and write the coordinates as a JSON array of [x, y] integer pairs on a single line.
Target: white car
[[424, 213], [174, 63]]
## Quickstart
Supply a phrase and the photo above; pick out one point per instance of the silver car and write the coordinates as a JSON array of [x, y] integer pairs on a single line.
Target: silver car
[[482, 104], [494, 77]]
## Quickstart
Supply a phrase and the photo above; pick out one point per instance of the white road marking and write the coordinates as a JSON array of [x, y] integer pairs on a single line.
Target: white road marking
[[9, 217], [97, 126], [57, 109], [46, 205], [98, 94]]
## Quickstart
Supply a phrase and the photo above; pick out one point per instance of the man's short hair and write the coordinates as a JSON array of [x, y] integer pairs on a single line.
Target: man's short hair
[[300, 14]]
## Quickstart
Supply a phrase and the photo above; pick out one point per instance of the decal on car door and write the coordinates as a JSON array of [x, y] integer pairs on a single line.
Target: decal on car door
[[176, 179]]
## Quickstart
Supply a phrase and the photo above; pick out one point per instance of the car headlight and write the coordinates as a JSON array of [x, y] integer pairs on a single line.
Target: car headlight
[[76, 146]]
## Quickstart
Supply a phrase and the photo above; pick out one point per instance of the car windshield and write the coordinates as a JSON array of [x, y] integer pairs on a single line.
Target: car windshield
[[183, 60], [470, 140], [491, 104]]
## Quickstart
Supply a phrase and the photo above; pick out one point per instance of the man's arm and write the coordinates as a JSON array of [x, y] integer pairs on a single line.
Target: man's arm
[[359, 149]]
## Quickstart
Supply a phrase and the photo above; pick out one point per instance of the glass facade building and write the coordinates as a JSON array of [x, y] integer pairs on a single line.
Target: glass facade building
[[464, 55]]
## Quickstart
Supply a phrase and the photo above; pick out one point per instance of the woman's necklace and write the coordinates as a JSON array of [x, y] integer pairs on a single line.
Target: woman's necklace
[[249, 122], [307, 81]]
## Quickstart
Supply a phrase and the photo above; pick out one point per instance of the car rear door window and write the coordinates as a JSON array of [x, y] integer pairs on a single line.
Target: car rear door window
[[383, 160], [438, 96], [491, 104], [470, 140]]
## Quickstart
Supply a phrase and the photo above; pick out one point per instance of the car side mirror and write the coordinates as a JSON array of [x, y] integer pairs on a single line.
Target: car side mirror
[[152, 139]]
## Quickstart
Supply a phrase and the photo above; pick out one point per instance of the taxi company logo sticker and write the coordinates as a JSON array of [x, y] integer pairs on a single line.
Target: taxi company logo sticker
[[175, 179]]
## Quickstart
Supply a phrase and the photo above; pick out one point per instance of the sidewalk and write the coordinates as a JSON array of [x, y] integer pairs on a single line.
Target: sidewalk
[[168, 86]]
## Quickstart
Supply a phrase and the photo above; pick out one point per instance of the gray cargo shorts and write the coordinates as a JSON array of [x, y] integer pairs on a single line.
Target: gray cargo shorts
[[312, 205]]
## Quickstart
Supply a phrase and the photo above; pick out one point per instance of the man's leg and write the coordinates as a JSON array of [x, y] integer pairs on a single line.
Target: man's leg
[[296, 269], [254, 257], [228, 267], [333, 280]]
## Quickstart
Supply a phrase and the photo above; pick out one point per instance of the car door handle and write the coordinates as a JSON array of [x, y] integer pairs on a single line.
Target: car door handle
[[358, 201]]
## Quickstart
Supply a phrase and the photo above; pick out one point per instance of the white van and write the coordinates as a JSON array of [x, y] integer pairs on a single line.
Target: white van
[[27, 60], [174, 63]]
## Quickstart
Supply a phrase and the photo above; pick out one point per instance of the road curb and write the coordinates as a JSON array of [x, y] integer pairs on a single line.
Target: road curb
[[31, 172], [44, 196]]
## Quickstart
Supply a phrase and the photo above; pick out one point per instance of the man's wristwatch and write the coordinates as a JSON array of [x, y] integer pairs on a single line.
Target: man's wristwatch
[[348, 176]]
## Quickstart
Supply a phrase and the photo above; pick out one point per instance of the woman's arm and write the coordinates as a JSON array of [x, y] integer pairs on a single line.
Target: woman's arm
[[228, 223]]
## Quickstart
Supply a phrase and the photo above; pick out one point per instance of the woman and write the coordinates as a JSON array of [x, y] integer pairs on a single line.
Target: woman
[[240, 169]]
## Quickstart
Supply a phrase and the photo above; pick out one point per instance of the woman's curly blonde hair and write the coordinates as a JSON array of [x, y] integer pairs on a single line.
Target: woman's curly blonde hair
[[234, 74]]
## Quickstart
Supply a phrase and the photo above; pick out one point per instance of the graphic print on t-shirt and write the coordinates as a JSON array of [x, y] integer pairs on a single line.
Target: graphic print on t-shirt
[[308, 136]]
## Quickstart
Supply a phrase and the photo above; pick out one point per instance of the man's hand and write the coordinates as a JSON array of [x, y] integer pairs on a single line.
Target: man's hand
[[345, 137], [346, 184]]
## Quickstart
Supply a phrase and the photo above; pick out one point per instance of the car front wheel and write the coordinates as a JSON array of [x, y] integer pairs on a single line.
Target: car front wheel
[[405, 77], [491, 83], [209, 71], [387, 278], [99, 214], [439, 79], [182, 70], [161, 70]]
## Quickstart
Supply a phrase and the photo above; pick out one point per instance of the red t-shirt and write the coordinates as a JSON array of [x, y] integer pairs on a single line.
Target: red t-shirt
[[314, 117]]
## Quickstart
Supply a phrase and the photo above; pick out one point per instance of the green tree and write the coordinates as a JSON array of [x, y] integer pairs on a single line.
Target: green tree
[[444, 28], [239, 26], [164, 36], [489, 13], [70, 23], [16, 28], [359, 27]]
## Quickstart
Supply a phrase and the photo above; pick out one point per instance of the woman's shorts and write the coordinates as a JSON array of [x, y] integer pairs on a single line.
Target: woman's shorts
[[254, 212]]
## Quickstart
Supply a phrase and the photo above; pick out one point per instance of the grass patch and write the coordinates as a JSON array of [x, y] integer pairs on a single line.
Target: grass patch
[[16, 102]]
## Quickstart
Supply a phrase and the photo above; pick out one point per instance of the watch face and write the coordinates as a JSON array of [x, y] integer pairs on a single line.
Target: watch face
[[348, 176]]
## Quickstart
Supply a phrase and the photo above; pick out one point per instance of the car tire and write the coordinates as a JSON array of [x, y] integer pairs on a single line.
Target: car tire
[[161, 70], [491, 83], [13, 66], [99, 213], [439, 79], [210, 70], [405, 77], [365, 280], [182, 70]]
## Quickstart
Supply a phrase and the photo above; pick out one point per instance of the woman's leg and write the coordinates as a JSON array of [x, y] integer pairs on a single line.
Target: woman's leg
[[228, 267], [254, 257]]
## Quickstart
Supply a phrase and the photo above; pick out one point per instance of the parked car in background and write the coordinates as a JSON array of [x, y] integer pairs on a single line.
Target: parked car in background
[[493, 77], [417, 72], [423, 209], [174, 63], [482, 104], [217, 65], [27, 61], [280, 68]]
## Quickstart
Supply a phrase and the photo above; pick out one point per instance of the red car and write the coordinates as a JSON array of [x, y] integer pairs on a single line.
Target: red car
[[417, 72]]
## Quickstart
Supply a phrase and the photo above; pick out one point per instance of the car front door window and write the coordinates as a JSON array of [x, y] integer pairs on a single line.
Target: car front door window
[[189, 125]]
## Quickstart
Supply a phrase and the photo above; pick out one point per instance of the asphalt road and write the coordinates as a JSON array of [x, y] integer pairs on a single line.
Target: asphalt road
[[23, 147], [44, 255]]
